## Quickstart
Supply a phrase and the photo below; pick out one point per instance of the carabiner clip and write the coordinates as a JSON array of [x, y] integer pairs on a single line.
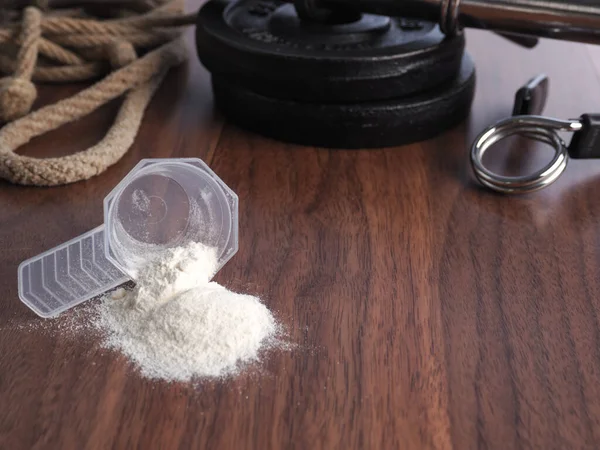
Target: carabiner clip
[[529, 103]]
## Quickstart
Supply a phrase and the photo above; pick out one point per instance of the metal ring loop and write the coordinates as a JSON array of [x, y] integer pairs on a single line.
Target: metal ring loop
[[445, 5], [452, 25], [449, 17], [541, 129]]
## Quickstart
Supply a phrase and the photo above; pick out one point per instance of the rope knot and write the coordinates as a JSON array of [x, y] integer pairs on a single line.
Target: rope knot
[[16, 98], [17, 92], [121, 54]]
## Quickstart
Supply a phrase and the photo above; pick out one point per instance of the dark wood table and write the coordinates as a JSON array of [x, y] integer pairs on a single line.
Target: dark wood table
[[427, 312]]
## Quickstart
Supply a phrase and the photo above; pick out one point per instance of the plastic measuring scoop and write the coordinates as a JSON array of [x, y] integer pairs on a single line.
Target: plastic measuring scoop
[[160, 204]]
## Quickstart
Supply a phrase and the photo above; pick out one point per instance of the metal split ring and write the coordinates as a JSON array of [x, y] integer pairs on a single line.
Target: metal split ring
[[542, 129], [449, 17]]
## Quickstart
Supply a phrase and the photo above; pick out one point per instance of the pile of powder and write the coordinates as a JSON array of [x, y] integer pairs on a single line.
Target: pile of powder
[[177, 325]]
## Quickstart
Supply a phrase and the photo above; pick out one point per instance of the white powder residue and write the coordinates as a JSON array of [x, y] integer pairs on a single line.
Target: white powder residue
[[177, 325], [140, 200]]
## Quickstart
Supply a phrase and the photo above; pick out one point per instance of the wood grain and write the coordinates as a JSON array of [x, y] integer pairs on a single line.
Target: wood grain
[[427, 313]]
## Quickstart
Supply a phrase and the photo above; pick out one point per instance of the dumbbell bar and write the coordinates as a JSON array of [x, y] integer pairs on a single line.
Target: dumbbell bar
[[572, 20]]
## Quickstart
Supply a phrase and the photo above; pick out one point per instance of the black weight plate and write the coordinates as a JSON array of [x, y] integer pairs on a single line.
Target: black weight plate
[[264, 46], [359, 125]]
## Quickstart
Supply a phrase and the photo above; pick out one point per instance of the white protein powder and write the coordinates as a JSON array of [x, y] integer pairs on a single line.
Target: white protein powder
[[176, 325]]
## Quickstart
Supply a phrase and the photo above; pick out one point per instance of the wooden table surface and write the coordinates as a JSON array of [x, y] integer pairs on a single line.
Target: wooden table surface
[[428, 313]]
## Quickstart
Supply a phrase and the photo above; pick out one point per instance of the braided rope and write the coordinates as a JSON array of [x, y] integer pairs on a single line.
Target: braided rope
[[47, 48], [67, 25], [77, 48], [59, 74], [139, 39], [17, 92], [28, 52]]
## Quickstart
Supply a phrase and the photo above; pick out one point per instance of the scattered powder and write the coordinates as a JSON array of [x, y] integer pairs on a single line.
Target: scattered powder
[[177, 325]]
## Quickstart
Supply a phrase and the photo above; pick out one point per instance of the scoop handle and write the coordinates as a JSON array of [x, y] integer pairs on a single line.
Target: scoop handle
[[67, 275]]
